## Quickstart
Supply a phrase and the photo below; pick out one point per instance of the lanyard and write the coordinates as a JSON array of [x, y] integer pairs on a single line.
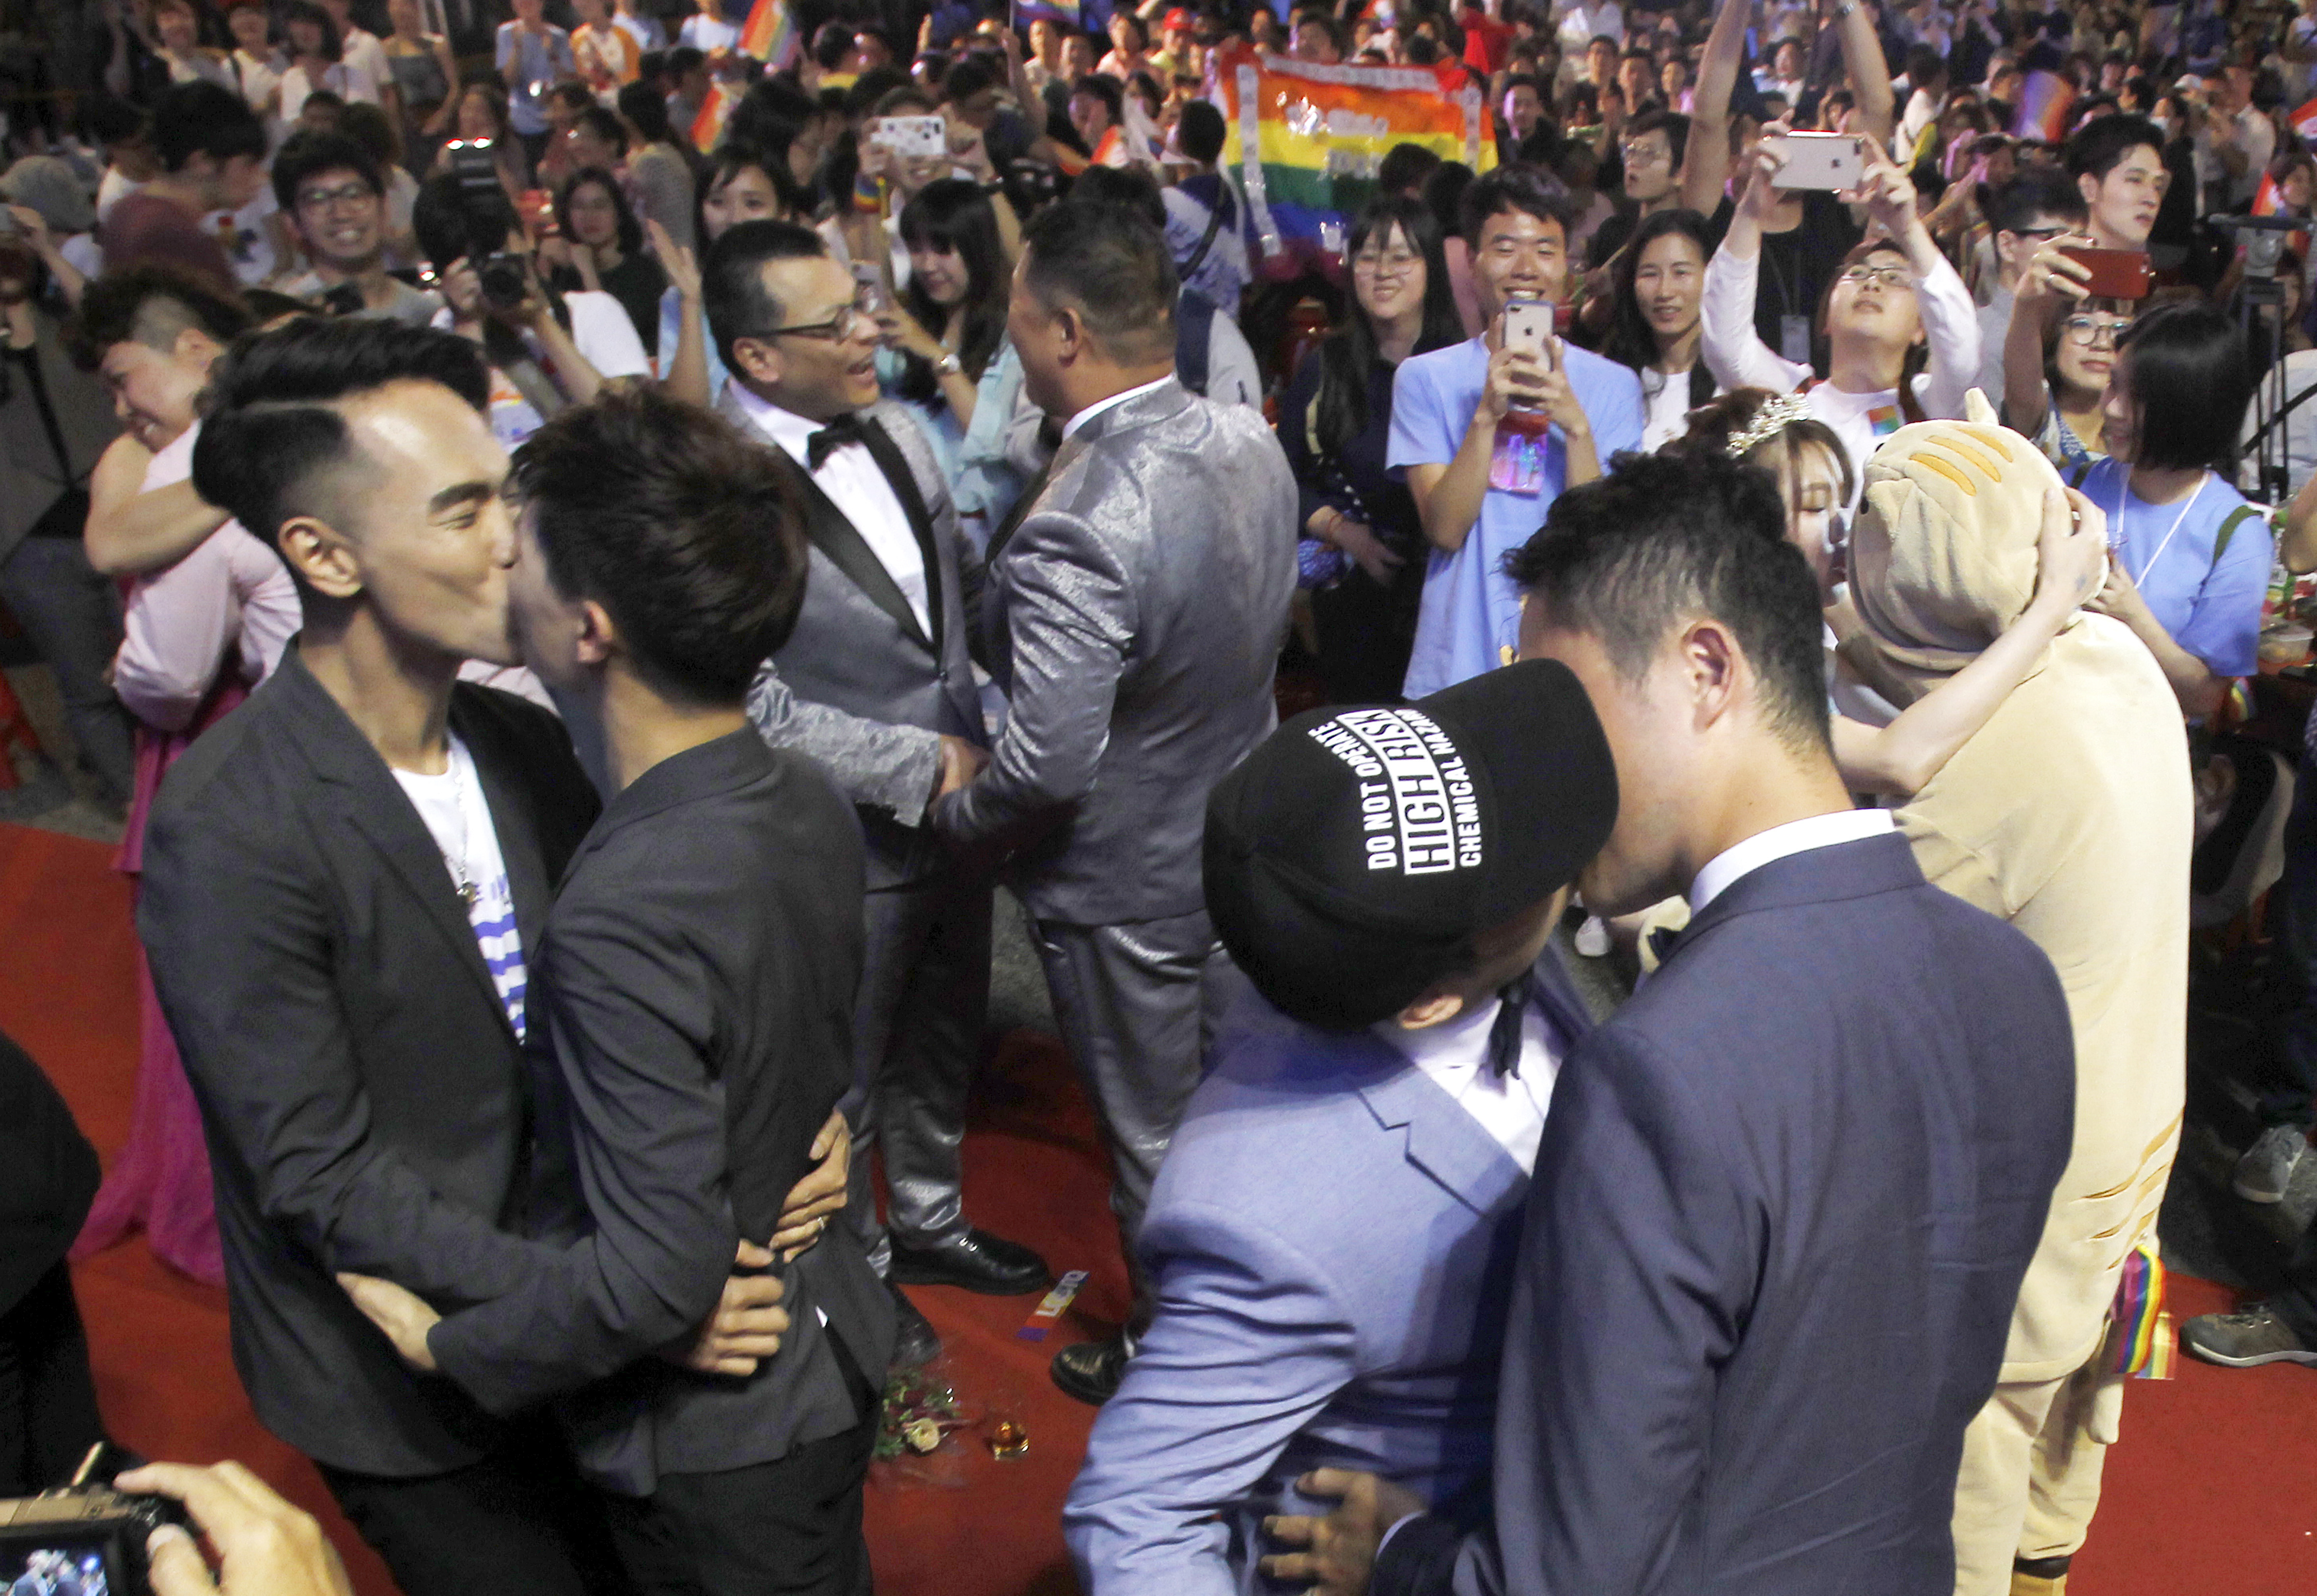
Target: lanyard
[[2123, 496]]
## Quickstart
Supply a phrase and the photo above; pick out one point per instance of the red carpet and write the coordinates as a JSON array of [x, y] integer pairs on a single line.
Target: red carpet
[[2213, 1488]]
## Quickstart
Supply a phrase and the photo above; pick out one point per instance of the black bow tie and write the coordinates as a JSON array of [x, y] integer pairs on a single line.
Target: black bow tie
[[845, 429], [1505, 1032]]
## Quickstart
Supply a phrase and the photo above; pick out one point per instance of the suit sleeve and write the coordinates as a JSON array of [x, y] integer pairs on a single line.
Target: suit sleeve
[[1249, 1343], [632, 1018], [252, 1000], [874, 762], [1072, 616], [1637, 1269]]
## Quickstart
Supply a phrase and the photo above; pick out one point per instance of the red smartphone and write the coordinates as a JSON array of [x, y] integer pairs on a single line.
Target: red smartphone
[[2116, 273]]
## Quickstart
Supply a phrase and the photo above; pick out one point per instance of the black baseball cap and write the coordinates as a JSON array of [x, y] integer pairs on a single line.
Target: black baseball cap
[[1350, 859]]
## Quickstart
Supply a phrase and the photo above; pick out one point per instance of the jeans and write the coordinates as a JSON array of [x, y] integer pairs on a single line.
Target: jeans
[[73, 617]]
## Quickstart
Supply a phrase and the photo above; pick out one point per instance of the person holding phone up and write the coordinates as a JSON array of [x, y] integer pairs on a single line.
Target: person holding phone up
[[1488, 432], [1900, 329]]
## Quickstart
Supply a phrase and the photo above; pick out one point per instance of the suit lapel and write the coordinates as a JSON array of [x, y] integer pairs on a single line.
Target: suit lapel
[[887, 455], [841, 541], [1442, 1139], [1023, 505], [515, 819]]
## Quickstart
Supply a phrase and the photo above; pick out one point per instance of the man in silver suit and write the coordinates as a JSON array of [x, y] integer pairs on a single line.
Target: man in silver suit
[[1135, 606], [876, 684]]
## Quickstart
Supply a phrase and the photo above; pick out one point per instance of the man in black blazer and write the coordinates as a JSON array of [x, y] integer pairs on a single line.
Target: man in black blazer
[[1786, 1196], [342, 879], [697, 980]]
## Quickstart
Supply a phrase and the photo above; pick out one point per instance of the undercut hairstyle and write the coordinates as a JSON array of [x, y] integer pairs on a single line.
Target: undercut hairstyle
[[1110, 264], [1665, 539], [1200, 133], [2036, 191], [201, 118], [687, 533], [2101, 145], [307, 154], [732, 279], [2191, 379], [275, 424], [1514, 187], [1671, 123], [151, 304]]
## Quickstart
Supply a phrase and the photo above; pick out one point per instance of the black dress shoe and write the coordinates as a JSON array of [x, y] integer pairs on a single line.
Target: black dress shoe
[[1091, 1371], [915, 1342], [977, 1261]]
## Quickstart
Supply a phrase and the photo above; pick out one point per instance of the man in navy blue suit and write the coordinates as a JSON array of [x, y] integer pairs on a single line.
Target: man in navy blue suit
[[1388, 879], [1786, 1196]]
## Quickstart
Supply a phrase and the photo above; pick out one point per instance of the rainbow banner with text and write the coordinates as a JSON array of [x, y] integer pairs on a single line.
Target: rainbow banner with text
[[1308, 140]]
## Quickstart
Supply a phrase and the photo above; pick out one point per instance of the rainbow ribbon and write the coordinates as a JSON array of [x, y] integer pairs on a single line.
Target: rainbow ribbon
[[2140, 1332]]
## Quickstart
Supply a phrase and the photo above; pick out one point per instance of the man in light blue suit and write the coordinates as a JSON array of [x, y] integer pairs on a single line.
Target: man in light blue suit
[[1332, 1233]]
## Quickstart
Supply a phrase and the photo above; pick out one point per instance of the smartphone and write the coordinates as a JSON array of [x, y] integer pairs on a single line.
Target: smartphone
[[1528, 324], [2116, 273], [912, 136], [1817, 160]]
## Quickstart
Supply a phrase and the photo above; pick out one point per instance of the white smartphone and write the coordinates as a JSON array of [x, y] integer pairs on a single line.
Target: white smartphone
[[1528, 324], [1817, 160], [912, 136]]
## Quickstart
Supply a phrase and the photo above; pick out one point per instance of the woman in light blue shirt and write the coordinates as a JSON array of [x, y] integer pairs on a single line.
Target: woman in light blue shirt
[[2189, 558]]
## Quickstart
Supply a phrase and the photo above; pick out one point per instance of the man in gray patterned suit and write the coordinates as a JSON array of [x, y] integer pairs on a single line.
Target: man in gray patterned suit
[[875, 684], [1135, 609]]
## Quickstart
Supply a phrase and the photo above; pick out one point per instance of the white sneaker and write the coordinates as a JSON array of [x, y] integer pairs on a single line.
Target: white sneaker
[[1593, 937], [2265, 1169]]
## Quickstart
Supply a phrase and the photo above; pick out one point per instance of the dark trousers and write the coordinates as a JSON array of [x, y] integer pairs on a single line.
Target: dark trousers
[[48, 1403], [2294, 913], [72, 615], [1367, 630], [521, 1520], [916, 1037], [788, 1528], [1137, 1006]]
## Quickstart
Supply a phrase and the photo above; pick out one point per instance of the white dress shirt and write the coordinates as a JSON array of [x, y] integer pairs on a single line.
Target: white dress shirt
[[1071, 427], [1796, 837], [1455, 1055], [855, 484]]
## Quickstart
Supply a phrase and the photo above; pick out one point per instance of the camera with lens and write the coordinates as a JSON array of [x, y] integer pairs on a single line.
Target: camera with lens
[[83, 1539], [490, 221]]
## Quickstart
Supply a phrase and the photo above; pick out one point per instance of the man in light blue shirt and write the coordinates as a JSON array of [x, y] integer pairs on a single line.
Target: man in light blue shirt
[[1480, 486]]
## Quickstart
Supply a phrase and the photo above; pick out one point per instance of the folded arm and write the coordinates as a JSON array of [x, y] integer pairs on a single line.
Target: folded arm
[[131, 530]]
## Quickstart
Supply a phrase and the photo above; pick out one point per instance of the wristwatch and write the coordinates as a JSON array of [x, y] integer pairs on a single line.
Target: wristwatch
[[948, 366]]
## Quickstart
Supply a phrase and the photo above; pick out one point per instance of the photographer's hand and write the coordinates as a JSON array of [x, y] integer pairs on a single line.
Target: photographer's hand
[[265, 1546]]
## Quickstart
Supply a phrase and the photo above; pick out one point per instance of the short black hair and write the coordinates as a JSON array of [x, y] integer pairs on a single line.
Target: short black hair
[[1105, 88], [1200, 131], [732, 278], [970, 75], [831, 44], [1671, 123], [2036, 191], [605, 126], [1665, 539], [273, 421], [309, 153], [1111, 265], [150, 305], [1925, 65], [1513, 186], [686, 530], [1131, 186], [2099, 145], [2192, 380], [684, 58], [1404, 166], [201, 118], [646, 109]]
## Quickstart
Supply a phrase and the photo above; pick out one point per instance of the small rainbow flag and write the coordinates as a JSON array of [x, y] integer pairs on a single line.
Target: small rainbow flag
[[770, 34], [1308, 138], [2045, 101], [2304, 121], [708, 127], [2140, 1332], [1885, 419], [2268, 201]]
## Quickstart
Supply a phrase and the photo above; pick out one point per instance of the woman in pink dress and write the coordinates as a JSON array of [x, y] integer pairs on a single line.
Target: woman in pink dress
[[207, 618]]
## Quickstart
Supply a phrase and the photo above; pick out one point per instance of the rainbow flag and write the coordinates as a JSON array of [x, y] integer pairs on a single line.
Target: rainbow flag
[[2140, 1330], [2045, 99], [770, 34], [708, 127], [2304, 121], [1308, 138]]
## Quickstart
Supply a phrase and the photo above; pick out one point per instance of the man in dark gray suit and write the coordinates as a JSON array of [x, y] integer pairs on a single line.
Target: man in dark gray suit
[[876, 684], [1136, 601], [1786, 1196]]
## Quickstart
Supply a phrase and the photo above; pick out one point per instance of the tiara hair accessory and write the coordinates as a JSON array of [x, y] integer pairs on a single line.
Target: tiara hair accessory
[[1777, 413]]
